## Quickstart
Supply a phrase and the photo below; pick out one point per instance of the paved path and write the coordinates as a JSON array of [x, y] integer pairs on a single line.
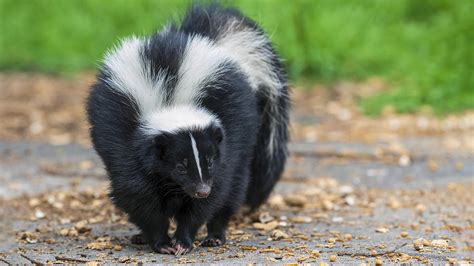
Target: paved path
[[342, 202]]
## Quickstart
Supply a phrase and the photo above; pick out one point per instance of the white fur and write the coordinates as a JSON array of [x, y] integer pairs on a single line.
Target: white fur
[[202, 58], [196, 155], [171, 119], [200, 64], [130, 75], [240, 45], [246, 47]]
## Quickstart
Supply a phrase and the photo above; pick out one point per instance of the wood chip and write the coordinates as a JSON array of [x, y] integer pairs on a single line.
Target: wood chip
[[29, 237], [124, 259], [34, 202], [265, 217], [378, 261], [100, 244], [249, 248], [452, 260], [266, 227], [81, 227], [276, 201], [302, 259], [347, 237], [295, 200], [418, 244], [278, 234], [301, 219], [440, 243], [270, 250], [315, 254]]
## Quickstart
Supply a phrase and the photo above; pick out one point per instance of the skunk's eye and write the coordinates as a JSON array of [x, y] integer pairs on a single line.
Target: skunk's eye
[[181, 169], [210, 161]]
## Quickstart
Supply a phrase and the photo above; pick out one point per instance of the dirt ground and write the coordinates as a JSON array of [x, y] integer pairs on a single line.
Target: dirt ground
[[397, 188]]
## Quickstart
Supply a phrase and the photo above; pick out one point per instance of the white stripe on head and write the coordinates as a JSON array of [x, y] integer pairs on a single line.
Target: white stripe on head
[[196, 155], [175, 118]]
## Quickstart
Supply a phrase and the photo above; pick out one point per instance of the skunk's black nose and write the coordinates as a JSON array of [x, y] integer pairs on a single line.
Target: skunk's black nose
[[203, 191]]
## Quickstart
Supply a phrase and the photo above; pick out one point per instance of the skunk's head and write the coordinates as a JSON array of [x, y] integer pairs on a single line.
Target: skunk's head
[[185, 145], [190, 158]]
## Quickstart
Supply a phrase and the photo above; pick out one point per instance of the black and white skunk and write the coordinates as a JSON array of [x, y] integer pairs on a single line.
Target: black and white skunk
[[191, 123]]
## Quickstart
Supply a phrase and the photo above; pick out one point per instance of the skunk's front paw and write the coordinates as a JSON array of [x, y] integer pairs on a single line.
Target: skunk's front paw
[[182, 247], [163, 247], [213, 241]]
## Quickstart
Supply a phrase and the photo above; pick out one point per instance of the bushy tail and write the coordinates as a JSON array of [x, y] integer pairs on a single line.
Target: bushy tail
[[271, 150]]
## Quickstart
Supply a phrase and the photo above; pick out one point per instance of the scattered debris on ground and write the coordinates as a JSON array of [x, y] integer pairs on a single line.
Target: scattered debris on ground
[[392, 189]]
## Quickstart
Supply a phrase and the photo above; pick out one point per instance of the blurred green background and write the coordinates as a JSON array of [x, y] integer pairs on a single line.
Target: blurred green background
[[422, 48]]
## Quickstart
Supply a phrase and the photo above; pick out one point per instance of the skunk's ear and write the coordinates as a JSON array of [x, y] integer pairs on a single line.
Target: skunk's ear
[[162, 144], [218, 135]]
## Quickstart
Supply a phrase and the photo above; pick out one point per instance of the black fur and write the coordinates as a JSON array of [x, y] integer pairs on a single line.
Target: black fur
[[266, 169], [154, 178]]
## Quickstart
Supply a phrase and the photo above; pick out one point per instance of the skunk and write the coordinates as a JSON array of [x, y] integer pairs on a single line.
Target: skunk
[[191, 123]]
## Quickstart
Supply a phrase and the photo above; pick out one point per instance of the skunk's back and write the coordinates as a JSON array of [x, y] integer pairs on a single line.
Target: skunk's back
[[251, 48], [213, 20]]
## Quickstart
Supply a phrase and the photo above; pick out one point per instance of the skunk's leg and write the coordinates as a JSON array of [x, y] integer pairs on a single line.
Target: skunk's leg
[[217, 226], [188, 225], [155, 232]]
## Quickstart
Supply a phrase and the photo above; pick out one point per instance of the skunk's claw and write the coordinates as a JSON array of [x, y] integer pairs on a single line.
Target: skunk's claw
[[167, 250], [181, 249], [163, 247], [212, 242]]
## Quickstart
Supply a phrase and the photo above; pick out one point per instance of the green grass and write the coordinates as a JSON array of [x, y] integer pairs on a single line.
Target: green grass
[[423, 48]]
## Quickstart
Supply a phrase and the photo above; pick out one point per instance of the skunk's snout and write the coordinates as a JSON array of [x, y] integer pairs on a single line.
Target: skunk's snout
[[202, 191]]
